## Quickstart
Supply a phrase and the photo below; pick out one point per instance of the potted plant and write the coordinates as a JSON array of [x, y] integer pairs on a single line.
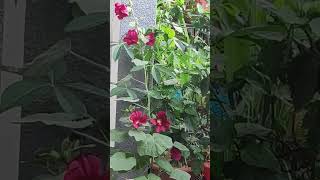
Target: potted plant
[[167, 115]]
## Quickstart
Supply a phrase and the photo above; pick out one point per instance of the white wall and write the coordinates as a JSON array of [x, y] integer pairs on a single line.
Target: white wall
[[12, 55]]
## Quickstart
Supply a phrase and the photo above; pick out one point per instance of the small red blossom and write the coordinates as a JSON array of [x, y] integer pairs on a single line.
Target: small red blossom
[[175, 154], [86, 167], [138, 118], [161, 122], [131, 37], [203, 3], [151, 38], [121, 10]]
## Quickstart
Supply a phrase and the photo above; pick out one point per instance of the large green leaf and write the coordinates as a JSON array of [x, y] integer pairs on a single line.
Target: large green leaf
[[149, 177], [244, 129], [164, 164], [222, 135], [92, 6], [59, 119], [260, 156], [119, 162], [118, 136], [138, 135], [89, 89], [154, 145], [86, 22], [23, 93], [117, 51], [269, 32], [180, 175], [42, 63], [69, 101], [237, 55], [315, 26], [156, 74]]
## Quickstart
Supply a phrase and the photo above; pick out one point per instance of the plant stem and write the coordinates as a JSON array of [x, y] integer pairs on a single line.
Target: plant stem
[[146, 80], [89, 61]]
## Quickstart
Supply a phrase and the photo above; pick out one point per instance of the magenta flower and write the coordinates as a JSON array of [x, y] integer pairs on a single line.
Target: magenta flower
[[121, 10], [138, 118], [161, 122], [86, 167], [131, 37], [175, 154], [151, 38]]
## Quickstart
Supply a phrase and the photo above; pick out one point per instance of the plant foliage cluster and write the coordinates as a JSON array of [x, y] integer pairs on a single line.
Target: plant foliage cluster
[[265, 89]]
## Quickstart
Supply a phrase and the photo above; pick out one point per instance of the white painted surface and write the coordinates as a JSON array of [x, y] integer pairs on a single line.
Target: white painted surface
[[12, 55], [114, 37]]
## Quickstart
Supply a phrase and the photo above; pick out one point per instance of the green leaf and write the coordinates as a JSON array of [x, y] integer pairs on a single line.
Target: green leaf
[[237, 55], [23, 93], [153, 177], [167, 71], [164, 164], [244, 129], [118, 136], [89, 89], [132, 94], [69, 101], [125, 80], [170, 32], [119, 162], [117, 51], [289, 16], [315, 26], [129, 52], [86, 22], [139, 62], [127, 99], [91, 6], [141, 178], [260, 156], [170, 82], [43, 63], [138, 135], [59, 119], [184, 78], [150, 177], [180, 175], [154, 145], [116, 91], [270, 32], [223, 134], [156, 74], [136, 68], [57, 70], [155, 94]]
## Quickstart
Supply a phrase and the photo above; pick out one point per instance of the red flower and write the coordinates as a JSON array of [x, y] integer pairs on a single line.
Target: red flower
[[85, 167], [203, 3], [175, 154], [162, 123], [151, 38], [138, 118], [121, 10], [131, 37]]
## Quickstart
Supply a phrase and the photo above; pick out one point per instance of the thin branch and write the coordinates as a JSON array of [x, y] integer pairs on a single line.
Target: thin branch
[[11, 69], [89, 61], [91, 138]]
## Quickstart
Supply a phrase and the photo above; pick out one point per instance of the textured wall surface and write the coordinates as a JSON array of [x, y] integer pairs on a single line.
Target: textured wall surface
[[145, 11]]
